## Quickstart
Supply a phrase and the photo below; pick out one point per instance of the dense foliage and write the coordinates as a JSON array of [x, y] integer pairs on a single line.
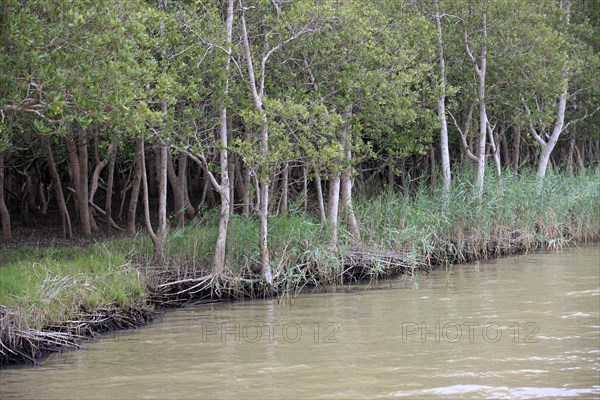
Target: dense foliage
[[281, 104]]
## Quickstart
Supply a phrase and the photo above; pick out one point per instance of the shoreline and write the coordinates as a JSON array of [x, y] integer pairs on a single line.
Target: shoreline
[[30, 346]]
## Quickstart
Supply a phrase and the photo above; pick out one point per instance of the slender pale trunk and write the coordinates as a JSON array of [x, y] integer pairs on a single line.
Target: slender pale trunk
[[495, 151], [547, 148], [257, 96], [482, 131], [158, 237], [334, 201], [162, 152], [320, 200], [6, 228], [60, 198], [264, 208], [480, 68], [224, 187], [139, 147], [347, 178], [446, 173], [161, 232]]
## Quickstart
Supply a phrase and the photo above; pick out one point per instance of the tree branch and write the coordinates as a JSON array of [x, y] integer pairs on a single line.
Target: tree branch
[[534, 133]]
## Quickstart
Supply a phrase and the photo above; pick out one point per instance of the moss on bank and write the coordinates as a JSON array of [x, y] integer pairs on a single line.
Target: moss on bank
[[53, 297]]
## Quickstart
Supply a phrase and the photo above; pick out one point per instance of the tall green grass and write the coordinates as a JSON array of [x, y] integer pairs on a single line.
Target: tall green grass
[[567, 208], [50, 285]]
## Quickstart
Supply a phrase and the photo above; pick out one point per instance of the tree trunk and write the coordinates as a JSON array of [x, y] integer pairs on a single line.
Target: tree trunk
[[135, 189], [495, 151], [100, 165], [547, 148], [284, 189], [347, 178], [482, 135], [158, 237], [442, 106], [177, 186], [480, 68], [257, 95], [60, 198], [161, 232], [320, 200], [84, 208], [75, 171], [110, 185], [334, 201], [78, 157], [264, 215], [6, 229], [224, 187]]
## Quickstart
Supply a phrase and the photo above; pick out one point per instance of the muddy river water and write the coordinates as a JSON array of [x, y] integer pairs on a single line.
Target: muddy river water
[[518, 327]]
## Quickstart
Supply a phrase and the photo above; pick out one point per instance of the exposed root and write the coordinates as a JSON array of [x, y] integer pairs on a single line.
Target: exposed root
[[19, 342]]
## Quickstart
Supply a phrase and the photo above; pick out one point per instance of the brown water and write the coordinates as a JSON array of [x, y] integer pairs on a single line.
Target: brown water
[[520, 327]]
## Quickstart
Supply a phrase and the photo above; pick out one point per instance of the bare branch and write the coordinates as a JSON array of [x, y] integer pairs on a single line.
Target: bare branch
[[202, 162], [534, 133], [581, 118], [264, 60], [464, 133]]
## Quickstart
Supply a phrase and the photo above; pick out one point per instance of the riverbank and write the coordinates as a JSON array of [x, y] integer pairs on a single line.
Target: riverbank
[[53, 298]]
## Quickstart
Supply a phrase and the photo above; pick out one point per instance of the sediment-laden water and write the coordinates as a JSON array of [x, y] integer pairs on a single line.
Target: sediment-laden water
[[519, 327]]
